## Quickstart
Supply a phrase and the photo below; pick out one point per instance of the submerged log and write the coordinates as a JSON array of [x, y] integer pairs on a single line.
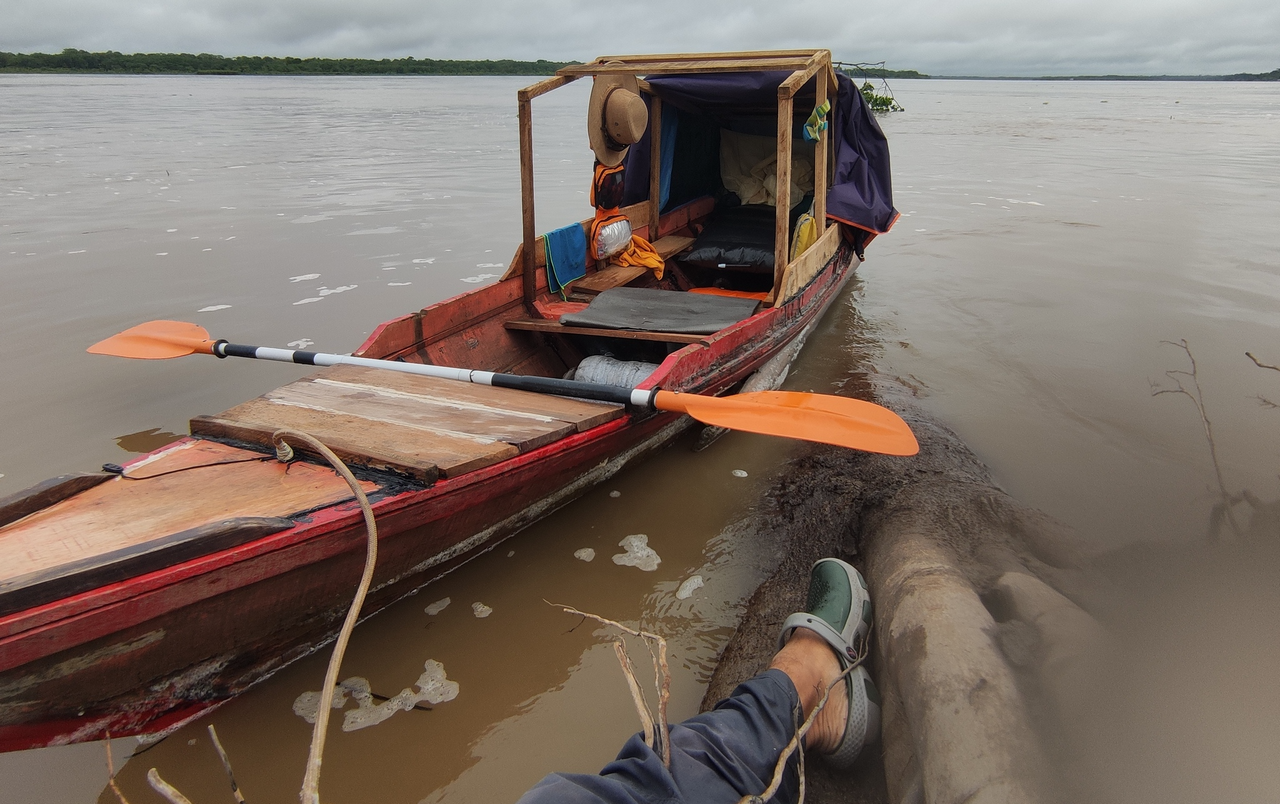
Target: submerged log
[[979, 635]]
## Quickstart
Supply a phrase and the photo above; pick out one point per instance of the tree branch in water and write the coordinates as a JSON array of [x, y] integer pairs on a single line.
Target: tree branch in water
[[1223, 509]]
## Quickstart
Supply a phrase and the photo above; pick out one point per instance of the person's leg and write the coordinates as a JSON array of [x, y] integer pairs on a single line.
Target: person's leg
[[732, 751], [812, 665]]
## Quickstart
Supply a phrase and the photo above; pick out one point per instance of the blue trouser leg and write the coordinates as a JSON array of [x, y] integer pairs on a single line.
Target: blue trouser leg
[[717, 756]]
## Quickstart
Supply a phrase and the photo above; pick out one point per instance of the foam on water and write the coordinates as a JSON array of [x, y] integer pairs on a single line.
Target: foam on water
[[433, 687], [690, 585], [639, 554], [480, 610], [437, 607], [585, 554], [326, 291]]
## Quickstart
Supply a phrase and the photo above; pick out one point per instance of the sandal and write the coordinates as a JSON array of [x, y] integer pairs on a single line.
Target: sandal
[[839, 611]]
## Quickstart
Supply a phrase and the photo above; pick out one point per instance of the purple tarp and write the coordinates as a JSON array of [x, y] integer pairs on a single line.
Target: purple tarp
[[861, 193]]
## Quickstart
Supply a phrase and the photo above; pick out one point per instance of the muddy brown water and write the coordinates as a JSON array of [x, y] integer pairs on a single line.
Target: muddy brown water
[[1053, 234]]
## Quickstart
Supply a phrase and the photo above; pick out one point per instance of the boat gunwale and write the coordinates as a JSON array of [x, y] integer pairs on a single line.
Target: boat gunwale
[[28, 622]]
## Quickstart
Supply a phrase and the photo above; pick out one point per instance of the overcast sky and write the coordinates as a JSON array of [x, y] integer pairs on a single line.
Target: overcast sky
[[970, 37]]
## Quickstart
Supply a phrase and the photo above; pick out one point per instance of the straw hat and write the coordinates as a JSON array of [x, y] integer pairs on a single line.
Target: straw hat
[[616, 117]]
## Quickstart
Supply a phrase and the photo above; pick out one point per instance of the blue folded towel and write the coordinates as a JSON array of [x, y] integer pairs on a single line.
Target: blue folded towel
[[566, 255]]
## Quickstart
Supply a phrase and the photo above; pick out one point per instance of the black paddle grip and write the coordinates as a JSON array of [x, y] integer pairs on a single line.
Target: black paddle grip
[[579, 390]]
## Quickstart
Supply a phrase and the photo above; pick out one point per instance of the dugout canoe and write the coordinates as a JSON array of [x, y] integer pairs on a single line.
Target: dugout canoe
[[133, 601]]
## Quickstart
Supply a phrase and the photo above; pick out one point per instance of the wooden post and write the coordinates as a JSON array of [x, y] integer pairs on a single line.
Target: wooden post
[[655, 165], [529, 270], [820, 161], [782, 216]]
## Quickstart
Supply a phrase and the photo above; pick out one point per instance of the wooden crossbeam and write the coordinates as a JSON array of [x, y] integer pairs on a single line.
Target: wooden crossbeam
[[555, 327]]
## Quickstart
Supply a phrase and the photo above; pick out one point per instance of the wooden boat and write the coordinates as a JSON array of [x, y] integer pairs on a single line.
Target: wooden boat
[[131, 602]]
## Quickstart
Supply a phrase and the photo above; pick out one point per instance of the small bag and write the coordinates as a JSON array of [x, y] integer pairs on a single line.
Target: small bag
[[607, 186], [610, 234]]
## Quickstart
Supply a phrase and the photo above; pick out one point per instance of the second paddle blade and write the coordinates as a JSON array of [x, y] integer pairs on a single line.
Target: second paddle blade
[[811, 417], [156, 340]]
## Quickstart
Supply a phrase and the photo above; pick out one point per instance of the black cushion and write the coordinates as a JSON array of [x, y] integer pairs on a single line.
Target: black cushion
[[651, 310], [740, 238]]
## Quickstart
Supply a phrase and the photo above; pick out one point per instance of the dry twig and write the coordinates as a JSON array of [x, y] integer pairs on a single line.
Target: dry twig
[[165, 789], [1259, 363], [1262, 399], [111, 772], [226, 764], [1197, 399], [662, 674], [642, 707]]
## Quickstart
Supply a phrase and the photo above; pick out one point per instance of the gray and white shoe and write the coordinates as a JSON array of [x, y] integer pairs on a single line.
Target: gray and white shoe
[[839, 611]]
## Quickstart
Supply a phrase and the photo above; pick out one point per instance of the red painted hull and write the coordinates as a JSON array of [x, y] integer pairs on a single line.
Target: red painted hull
[[153, 651]]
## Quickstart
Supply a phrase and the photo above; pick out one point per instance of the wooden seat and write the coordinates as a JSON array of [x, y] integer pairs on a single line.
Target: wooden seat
[[547, 325], [614, 276], [418, 426]]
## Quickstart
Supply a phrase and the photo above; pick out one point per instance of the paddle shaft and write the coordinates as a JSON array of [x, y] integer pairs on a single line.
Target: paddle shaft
[[538, 385]]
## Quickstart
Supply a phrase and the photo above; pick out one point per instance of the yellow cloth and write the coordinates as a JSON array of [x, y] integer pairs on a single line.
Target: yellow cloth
[[806, 234], [641, 252]]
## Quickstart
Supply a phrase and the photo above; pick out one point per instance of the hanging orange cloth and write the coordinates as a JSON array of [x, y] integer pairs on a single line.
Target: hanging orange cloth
[[642, 253], [609, 235]]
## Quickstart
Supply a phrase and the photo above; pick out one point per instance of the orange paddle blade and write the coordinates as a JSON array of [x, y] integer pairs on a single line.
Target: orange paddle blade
[[156, 340], [811, 417]]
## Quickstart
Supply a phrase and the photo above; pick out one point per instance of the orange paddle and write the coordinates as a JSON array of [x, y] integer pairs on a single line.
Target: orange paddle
[[810, 417]]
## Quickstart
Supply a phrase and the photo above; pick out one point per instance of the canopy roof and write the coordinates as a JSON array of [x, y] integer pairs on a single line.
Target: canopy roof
[[742, 91]]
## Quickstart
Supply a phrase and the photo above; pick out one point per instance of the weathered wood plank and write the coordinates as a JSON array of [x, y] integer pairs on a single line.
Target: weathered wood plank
[[436, 414], [419, 426], [121, 513], [90, 572], [782, 219], [820, 161], [543, 87], [671, 245], [529, 282], [542, 325], [611, 277], [807, 265], [582, 414], [655, 158], [42, 495], [820, 61], [731, 54], [703, 64], [420, 454]]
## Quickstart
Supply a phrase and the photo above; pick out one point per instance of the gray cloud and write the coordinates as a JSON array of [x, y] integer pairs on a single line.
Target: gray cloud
[[982, 37]]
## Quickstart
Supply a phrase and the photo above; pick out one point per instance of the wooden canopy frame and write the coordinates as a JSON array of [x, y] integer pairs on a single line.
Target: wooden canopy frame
[[804, 64]]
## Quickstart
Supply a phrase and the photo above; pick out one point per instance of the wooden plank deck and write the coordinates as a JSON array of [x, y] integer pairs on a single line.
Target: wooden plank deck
[[212, 483], [419, 426]]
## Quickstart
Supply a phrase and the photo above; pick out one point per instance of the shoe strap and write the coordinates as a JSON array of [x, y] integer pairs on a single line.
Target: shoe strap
[[803, 619]]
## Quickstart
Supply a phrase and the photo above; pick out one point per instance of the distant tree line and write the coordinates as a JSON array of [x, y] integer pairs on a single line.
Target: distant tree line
[[863, 70], [1274, 75], [81, 61]]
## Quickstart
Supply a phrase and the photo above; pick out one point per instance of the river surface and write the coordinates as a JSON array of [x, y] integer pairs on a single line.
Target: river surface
[[1054, 237]]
